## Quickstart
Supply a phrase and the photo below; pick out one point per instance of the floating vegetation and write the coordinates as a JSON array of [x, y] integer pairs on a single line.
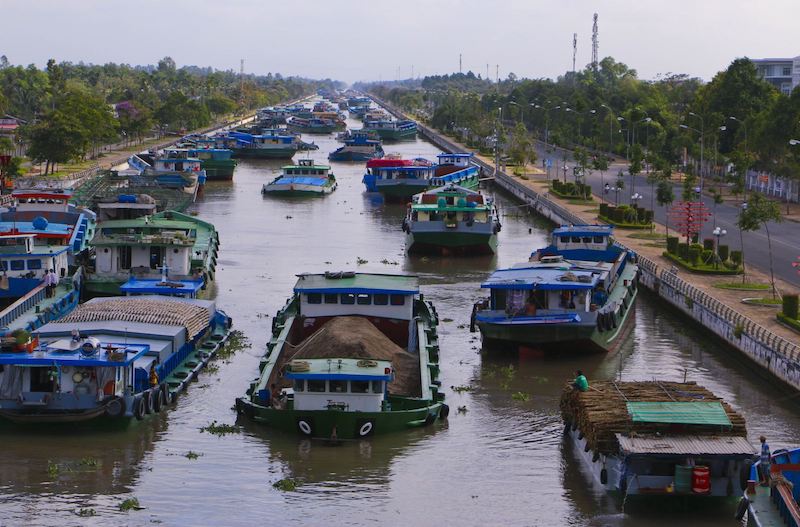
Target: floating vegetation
[[219, 429], [89, 462], [236, 342], [86, 513], [52, 469], [389, 262], [192, 455], [521, 396], [286, 484], [462, 409], [130, 504], [463, 388], [211, 369], [447, 320], [361, 261]]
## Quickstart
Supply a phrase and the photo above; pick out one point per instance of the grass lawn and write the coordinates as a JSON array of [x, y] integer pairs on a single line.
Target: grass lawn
[[763, 301], [739, 286], [648, 236]]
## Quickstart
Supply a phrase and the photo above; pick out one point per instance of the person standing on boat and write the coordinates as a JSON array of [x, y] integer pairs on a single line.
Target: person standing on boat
[[53, 282], [765, 460], [580, 383]]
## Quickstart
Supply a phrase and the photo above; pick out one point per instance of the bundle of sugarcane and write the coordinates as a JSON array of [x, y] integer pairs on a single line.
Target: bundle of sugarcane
[[601, 412]]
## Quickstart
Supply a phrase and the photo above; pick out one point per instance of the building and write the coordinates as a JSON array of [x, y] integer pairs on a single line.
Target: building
[[783, 73]]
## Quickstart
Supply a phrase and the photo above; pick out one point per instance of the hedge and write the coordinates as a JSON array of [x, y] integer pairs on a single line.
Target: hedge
[[672, 244], [790, 307], [699, 270], [736, 257], [724, 252], [790, 322], [708, 244]]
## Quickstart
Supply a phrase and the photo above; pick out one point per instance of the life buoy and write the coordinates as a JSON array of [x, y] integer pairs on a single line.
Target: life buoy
[[138, 408], [115, 407], [444, 411], [304, 427], [603, 476], [366, 429]]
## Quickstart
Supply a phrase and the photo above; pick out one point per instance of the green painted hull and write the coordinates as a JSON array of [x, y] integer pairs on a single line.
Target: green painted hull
[[101, 287], [219, 169], [396, 135], [264, 153], [405, 192], [348, 425], [451, 242]]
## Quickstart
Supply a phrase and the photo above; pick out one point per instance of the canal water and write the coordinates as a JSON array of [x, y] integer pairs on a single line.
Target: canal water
[[500, 459]]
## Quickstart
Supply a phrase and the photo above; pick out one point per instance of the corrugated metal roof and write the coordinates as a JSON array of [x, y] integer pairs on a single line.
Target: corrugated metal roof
[[690, 413], [686, 445]]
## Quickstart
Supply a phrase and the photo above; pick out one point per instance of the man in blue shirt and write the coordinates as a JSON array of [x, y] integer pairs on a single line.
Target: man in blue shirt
[[764, 462]]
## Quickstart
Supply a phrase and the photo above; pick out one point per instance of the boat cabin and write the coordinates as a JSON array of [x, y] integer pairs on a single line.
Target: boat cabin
[[177, 160], [20, 257], [459, 159], [306, 167], [451, 203], [56, 200], [393, 169], [354, 385]]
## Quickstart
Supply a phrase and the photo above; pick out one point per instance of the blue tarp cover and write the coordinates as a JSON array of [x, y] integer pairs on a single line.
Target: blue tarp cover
[[300, 180]]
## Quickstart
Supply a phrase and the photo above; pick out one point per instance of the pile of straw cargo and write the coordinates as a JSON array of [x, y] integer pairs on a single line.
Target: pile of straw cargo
[[601, 412]]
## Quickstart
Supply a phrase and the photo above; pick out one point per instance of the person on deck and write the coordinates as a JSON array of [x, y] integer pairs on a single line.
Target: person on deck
[[275, 397], [765, 460], [580, 383], [53, 281]]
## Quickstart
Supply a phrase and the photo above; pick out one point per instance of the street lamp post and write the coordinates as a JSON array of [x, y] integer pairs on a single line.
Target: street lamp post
[[702, 147], [718, 233], [616, 190], [628, 137], [606, 187]]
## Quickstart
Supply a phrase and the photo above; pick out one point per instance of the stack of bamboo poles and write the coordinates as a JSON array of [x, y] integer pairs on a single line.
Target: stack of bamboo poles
[[146, 310], [602, 411]]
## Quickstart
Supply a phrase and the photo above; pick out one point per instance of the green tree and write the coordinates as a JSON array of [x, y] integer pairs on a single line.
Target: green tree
[[665, 195], [635, 165], [600, 163], [758, 213], [521, 150], [57, 138]]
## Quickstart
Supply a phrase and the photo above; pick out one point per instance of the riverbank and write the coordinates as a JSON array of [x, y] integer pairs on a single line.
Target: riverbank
[[752, 330]]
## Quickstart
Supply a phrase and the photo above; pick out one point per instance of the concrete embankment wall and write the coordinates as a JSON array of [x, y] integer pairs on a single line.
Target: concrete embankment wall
[[775, 354]]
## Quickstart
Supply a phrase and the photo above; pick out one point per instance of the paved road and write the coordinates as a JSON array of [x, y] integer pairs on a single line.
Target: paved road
[[785, 236]]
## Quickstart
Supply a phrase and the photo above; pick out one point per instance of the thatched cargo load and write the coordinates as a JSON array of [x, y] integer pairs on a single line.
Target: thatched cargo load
[[353, 337], [602, 412]]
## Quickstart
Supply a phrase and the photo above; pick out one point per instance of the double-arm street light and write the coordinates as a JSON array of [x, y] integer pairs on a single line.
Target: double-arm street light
[[546, 120]]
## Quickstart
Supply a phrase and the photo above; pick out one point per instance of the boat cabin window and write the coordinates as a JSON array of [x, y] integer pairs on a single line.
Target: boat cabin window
[[42, 379], [3, 266], [348, 298], [359, 386], [316, 386], [576, 239], [337, 386], [381, 299], [364, 300], [377, 386], [314, 298], [398, 300], [331, 298], [17, 265], [124, 253], [299, 385], [34, 264], [564, 239], [587, 239], [598, 239]]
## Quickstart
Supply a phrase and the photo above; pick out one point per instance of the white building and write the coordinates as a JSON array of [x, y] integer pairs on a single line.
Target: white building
[[783, 73]]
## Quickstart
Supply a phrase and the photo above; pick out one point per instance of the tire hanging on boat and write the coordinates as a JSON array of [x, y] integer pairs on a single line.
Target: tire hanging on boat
[[138, 408], [444, 411], [603, 476], [364, 427], [115, 407], [155, 399], [147, 398]]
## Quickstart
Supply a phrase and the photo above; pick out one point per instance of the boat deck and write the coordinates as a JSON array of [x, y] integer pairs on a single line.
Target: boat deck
[[766, 511], [22, 320]]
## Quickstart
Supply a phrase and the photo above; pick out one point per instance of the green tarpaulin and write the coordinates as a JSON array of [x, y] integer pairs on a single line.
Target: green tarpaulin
[[689, 413]]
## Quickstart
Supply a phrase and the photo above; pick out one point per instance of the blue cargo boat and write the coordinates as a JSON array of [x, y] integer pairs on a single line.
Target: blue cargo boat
[[119, 358], [358, 147], [776, 504]]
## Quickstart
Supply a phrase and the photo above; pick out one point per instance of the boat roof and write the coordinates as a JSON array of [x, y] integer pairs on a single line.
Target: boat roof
[[357, 283], [456, 154], [584, 230], [300, 180], [60, 229], [53, 355], [112, 330], [46, 193], [155, 286], [373, 163], [685, 445], [683, 412], [323, 167], [341, 369], [542, 278]]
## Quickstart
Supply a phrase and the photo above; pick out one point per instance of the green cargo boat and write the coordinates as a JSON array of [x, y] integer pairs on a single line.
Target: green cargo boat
[[351, 355], [391, 130], [217, 162], [165, 245]]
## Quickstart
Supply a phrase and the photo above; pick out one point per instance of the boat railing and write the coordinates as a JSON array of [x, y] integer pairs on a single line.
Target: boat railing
[[783, 499], [27, 302]]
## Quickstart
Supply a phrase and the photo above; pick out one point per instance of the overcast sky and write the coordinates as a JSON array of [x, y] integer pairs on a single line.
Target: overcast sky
[[370, 39]]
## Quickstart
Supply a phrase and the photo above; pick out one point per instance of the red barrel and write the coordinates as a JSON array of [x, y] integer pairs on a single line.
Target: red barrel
[[701, 480]]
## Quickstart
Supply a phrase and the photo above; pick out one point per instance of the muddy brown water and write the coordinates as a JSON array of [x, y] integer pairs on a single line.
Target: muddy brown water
[[499, 461]]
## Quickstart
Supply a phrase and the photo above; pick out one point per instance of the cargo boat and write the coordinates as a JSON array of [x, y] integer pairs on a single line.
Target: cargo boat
[[451, 220], [351, 355], [303, 179], [657, 438], [575, 295], [358, 147], [392, 130], [117, 358]]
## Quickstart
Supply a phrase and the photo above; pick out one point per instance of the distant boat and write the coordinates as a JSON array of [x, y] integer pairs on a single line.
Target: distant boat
[[359, 147], [312, 125], [451, 219], [391, 130], [303, 179], [267, 145], [577, 294], [400, 179], [351, 355]]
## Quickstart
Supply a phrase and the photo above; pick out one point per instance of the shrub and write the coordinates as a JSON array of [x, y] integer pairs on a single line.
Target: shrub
[[648, 216], [724, 252], [708, 244], [683, 252], [790, 306], [604, 210], [695, 238], [707, 256], [697, 246], [694, 255], [569, 189], [736, 257], [672, 244]]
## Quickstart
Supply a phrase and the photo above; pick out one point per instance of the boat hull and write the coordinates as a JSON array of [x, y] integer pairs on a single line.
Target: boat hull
[[445, 243], [265, 153], [297, 190], [396, 135], [219, 170], [348, 425]]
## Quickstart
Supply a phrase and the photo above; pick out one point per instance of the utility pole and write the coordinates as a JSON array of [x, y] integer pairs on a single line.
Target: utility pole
[[595, 44], [412, 72]]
